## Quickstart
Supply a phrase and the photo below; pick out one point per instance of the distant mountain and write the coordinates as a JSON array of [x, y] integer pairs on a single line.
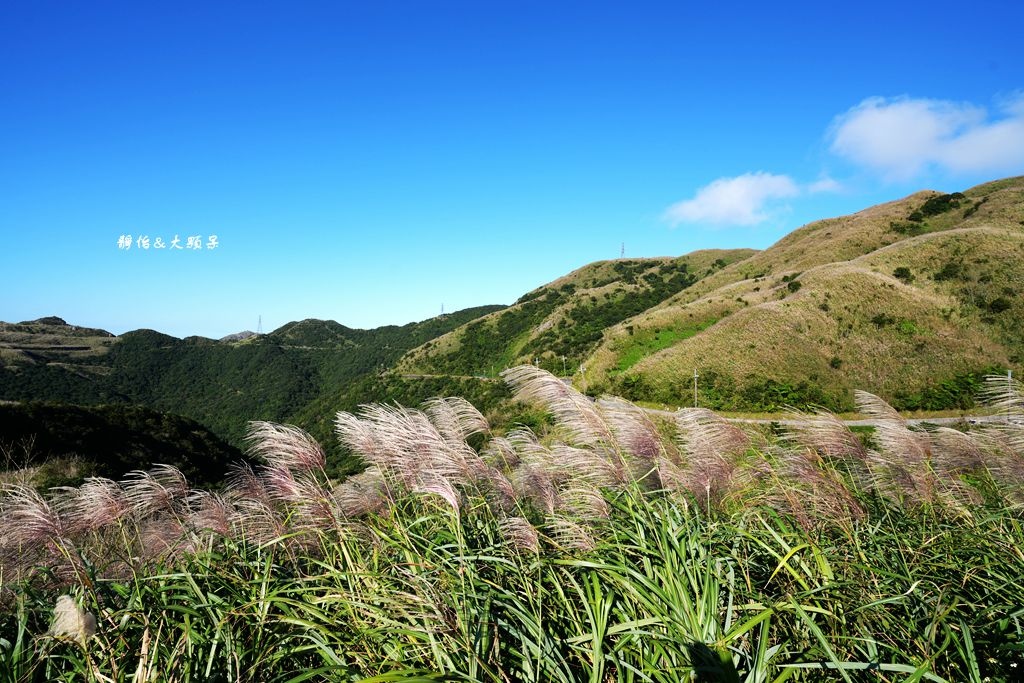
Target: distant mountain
[[237, 336], [222, 385]]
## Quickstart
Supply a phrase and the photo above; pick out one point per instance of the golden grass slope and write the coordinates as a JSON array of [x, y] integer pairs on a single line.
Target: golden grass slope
[[824, 307]]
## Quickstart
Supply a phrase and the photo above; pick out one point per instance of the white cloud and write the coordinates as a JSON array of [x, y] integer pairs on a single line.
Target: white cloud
[[743, 200], [825, 184], [902, 137]]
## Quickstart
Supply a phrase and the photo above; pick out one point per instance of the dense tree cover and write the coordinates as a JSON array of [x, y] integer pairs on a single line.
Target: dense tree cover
[[108, 441]]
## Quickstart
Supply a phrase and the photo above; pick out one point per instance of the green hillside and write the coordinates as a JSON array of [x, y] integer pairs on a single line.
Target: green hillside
[[558, 325]]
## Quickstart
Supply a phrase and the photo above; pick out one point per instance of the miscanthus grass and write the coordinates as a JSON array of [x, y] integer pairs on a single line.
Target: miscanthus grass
[[615, 547]]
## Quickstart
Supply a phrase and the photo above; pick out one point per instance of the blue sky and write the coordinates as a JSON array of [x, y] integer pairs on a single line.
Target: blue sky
[[371, 162]]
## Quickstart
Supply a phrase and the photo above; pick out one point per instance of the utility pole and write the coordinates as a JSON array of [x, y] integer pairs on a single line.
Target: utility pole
[[695, 387]]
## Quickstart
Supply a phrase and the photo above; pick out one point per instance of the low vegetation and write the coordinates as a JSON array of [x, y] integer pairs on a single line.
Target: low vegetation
[[606, 544]]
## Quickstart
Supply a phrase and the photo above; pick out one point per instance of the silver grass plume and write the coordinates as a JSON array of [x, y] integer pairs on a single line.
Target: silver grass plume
[[455, 418], [163, 537], [159, 489], [97, 503], [540, 473], [285, 445], [403, 444], [582, 501], [29, 519], [1004, 444], [361, 494], [634, 430], [439, 486], [955, 452], [826, 434], [520, 533], [901, 468], [571, 535], [812, 492], [243, 484], [573, 412], [257, 521], [500, 452], [713, 448], [210, 512], [1005, 393], [71, 622], [704, 433]]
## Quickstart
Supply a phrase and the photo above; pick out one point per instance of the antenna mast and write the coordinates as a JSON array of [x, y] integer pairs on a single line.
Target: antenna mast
[[259, 325]]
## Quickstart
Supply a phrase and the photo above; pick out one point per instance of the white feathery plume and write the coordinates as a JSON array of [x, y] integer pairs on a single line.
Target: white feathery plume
[[210, 512], [573, 412], [1003, 392], [361, 494], [572, 535], [901, 468], [569, 463], [812, 491], [534, 483], [875, 407], [406, 444], [520, 533], [825, 433], [357, 435], [95, 504], [158, 489], [286, 445], [163, 537], [439, 486], [455, 418], [713, 447], [1004, 445], [29, 519], [956, 452], [705, 434], [582, 501], [634, 430], [501, 454], [71, 622], [257, 521]]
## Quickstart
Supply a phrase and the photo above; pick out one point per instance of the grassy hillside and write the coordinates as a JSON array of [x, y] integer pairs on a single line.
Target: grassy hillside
[[913, 300], [558, 325]]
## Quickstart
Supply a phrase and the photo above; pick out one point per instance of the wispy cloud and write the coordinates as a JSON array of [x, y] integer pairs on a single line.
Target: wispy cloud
[[902, 137], [744, 200]]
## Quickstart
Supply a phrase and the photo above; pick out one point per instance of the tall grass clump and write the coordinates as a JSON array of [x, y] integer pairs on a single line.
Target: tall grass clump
[[617, 545]]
